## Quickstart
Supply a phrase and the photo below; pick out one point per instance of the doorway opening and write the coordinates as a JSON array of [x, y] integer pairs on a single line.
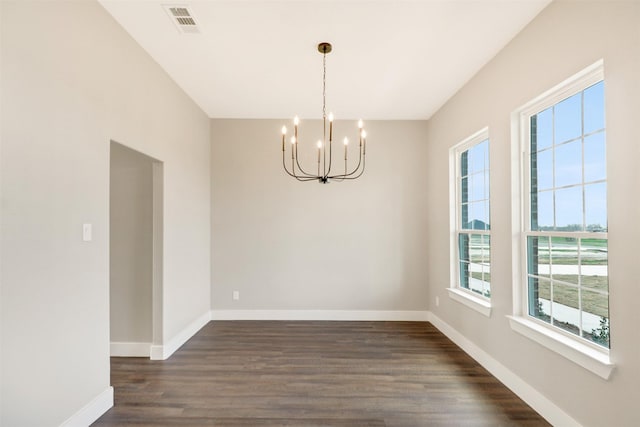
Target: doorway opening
[[135, 251]]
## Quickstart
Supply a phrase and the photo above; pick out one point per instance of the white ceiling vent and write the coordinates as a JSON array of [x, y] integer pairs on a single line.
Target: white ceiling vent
[[183, 18]]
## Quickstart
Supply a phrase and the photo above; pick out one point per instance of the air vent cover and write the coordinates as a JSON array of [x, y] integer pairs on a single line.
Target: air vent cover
[[183, 18]]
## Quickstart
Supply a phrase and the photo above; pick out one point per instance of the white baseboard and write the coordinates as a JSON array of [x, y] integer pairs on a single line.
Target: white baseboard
[[371, 315], [534, 398], [92, 410], [130, 349], [162, 352]]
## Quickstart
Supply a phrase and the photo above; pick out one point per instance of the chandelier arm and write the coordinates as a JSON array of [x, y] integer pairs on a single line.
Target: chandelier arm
[[337, 178], [326, 175], [284, 165], [300, 167], [299, 178], [354, 177], [355, 170]]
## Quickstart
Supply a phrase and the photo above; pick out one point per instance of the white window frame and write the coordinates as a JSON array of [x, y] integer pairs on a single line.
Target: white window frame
[[475, 301], [592, 357]]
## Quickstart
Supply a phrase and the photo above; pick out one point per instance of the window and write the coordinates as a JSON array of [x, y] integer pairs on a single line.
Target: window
[[471, 273], [567, 234], [563, 269]]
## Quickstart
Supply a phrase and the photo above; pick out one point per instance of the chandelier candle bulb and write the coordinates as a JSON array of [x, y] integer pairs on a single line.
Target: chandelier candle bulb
[[284, 133], [364, 142], [330, 127], [346, 142], [293, 150]]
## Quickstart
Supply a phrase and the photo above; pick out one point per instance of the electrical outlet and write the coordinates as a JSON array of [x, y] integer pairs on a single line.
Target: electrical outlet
[[437, 301], [236, 295]]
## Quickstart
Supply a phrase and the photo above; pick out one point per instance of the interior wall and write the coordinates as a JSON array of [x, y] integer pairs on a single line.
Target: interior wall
[[131, 246], [72, 81], [564, 39], [289, 245]]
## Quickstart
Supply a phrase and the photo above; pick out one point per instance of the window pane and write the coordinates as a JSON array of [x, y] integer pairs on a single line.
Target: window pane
[[594, 260], [475, 248], [463, 247], [475, 281], [487, 215], [486, 265], [477, 157], [486, 249], [463, 255], [543, 132], [595, 163], [476, 190], [568, 119], [468, 223], [594, 108], [478, 218], [569, 209], [487, 184], [464, 274], [594, 305], [564, 260], [564, 251], [464, 189], [565, 308], [539, 306], [542, 211], [464, 163], [596, 329], [568, 164], [538, 256], [595, 317], [596, 206], [475, 274], [543, 171], [464, 212]]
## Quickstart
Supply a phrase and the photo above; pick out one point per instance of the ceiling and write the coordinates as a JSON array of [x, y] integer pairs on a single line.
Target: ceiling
[[391, 59]]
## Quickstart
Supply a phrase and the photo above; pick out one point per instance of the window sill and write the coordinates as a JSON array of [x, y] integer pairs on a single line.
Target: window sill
[[581, 354], [480, 305]]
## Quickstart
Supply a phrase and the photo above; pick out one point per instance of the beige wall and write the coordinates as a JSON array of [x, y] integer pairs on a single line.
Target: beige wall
[[565, 38], [288, 245], [72, 81], [131, 245]]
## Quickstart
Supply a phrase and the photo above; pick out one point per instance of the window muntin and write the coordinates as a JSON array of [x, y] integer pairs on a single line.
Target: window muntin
[[473, 240], [566, 238]]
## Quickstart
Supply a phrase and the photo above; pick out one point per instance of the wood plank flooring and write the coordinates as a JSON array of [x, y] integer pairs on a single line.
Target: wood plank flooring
[[302, 373]]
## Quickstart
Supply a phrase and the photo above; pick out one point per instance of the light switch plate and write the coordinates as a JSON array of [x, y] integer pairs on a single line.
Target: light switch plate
[[86, 233]]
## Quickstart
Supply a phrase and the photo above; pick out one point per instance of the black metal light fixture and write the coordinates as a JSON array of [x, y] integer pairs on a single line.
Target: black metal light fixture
[[323, 174]]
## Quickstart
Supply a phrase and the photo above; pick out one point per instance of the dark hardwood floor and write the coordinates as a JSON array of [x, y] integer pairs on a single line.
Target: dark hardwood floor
[[250, 373]]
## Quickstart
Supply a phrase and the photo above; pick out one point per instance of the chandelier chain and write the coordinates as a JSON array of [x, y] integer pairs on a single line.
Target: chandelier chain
[[324, 85], [324, 112]]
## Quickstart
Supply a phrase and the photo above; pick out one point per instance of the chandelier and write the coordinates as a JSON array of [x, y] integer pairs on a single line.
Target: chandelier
[[324, 166]]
